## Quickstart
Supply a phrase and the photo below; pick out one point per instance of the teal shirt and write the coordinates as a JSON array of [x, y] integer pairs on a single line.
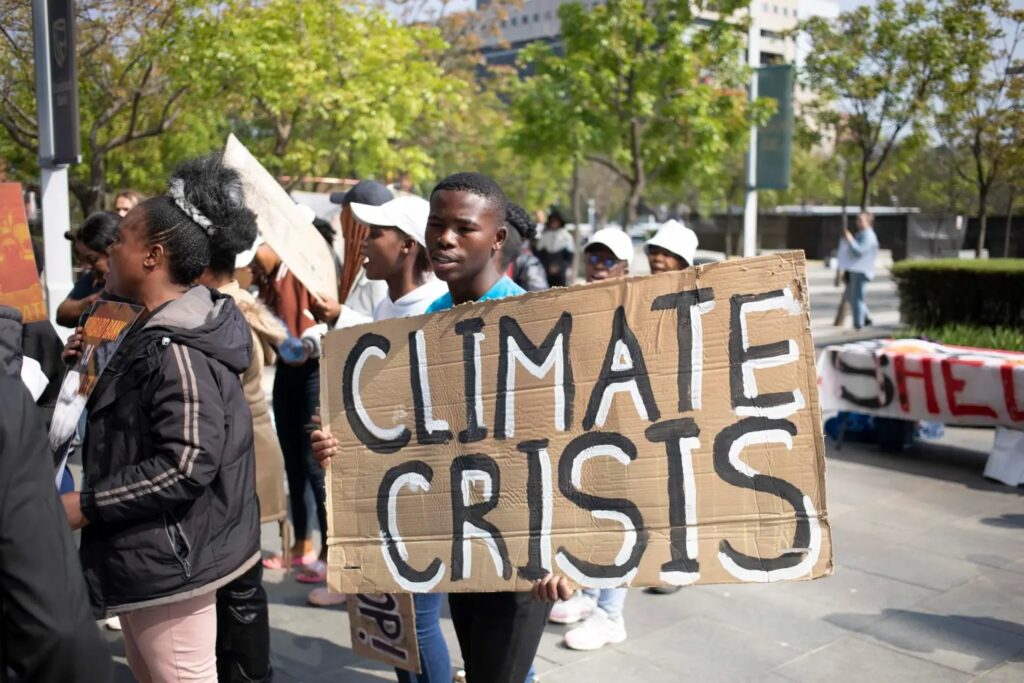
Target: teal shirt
[[502, 289]]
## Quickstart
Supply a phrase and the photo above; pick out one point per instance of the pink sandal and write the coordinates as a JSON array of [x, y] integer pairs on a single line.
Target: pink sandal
[[314, 572], [277, 561]]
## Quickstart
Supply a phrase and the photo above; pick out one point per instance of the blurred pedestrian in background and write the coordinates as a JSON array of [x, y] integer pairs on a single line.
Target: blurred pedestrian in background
[[517, 260], [90, 243], [126, 200], [556, 250], [859, 252]]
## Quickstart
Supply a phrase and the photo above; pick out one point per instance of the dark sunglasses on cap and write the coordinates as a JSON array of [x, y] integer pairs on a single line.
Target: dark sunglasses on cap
[[608, 262]]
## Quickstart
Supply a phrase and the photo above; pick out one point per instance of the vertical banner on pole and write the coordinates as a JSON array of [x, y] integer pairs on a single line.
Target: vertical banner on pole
[[775, 140], [63, 81]]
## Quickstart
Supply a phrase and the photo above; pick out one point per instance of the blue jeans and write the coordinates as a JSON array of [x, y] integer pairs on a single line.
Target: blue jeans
[[610, 600], [435, 665], [855, 292]]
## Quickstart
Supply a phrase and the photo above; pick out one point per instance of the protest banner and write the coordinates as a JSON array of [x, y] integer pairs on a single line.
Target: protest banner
[[283, 224], [913, 379], [657, 430], [383, 628], [19, 277], [106, 325]]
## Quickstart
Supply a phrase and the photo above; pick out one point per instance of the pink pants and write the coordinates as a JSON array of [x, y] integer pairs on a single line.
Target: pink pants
[[173, 643]]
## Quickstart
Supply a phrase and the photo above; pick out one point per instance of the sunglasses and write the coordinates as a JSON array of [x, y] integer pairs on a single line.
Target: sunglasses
[[608, 262]]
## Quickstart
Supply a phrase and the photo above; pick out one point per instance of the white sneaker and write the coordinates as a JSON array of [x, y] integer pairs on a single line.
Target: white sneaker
[[577, 608], [597, 631], [113, 624]]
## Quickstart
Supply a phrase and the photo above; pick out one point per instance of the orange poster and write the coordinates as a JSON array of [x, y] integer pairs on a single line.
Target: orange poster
[[19, 279]]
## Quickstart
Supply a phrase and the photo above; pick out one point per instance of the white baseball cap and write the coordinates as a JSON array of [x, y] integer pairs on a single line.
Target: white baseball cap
[[617, 241], [675, 237], [407, 213]]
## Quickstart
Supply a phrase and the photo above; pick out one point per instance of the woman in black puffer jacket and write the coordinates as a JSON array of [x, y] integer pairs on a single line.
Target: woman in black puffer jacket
[[168, 506]]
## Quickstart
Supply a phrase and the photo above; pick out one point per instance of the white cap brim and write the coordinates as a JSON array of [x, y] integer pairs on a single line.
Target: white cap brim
[[408, 214]]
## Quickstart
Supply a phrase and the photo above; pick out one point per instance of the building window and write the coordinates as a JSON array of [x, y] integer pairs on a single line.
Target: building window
[[536, 18], [764, 7], [513, 21], [526, 19], [547, 15]]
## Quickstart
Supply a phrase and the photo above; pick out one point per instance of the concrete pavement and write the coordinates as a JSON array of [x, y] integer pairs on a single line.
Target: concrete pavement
[[929, 585]]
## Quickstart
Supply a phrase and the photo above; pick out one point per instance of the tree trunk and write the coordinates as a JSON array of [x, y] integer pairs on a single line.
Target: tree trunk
[[636, 189], [1009, 223], [577, 219], [982, 221], [865, 189]]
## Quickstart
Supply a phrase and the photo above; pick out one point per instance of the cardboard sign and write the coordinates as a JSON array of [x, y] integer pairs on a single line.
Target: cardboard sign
[[19, 278], [282, 224], [657, 430], [911, 379], [384, 628], [105, 328]]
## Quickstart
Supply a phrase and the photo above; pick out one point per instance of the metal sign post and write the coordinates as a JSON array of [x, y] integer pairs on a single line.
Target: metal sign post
[[750, 203], [53, 30]]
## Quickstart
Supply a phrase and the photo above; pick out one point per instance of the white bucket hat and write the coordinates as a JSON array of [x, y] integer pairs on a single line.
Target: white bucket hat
[[675, 237], [617, 241], [407, 213]]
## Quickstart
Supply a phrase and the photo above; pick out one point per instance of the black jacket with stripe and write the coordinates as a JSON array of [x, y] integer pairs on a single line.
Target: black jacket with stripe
[[170, 486]]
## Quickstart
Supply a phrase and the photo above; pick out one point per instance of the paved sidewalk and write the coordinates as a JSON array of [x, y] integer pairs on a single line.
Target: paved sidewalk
[[929, 585]]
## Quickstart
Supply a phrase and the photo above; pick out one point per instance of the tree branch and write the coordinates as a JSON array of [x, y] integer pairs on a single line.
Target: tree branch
[[610, 165]]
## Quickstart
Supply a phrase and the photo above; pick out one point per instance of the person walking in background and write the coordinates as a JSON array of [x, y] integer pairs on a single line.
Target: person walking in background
[[126, 200], [517, 260], [90, 243], [859, 251], [673, 247], [556, 250], [168, 507]]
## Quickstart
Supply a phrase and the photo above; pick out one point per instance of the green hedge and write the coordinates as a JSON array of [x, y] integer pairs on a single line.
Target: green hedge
[[980, 293], [999, 338]]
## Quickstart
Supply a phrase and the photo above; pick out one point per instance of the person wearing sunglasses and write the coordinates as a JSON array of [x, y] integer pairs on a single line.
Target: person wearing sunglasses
[[598, 612], [607, 255]]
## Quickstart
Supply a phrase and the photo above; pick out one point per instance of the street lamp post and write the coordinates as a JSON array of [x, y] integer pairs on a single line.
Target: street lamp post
[[750, 199], [53, 184]]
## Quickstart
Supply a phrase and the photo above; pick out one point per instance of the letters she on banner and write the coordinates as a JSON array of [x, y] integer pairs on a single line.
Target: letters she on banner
[[658, 430], [913, 379]]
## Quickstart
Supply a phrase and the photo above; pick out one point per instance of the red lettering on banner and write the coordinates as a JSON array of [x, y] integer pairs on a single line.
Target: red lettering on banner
[[1016, 412], [954, 385], [925, 373]]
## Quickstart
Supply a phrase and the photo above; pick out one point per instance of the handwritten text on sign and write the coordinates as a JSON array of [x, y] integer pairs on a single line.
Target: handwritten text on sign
[[912, 379], [635, 432]]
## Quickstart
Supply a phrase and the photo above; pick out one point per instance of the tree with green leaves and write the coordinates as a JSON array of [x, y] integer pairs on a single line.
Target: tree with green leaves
[[981, 115], [131, 90], [645, 88], [325, 88], [875, 71]]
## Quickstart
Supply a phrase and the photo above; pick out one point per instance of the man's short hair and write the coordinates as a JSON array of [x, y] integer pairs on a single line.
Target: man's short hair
[[478, 184], [869, 217]]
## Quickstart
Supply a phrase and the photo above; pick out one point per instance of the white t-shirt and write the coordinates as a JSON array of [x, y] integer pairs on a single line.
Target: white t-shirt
[[413, 303]]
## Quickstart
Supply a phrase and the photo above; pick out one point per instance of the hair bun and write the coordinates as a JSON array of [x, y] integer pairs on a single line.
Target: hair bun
[[216, 193]]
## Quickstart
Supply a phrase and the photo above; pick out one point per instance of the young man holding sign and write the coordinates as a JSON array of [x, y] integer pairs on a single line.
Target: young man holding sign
[[498, 632]]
